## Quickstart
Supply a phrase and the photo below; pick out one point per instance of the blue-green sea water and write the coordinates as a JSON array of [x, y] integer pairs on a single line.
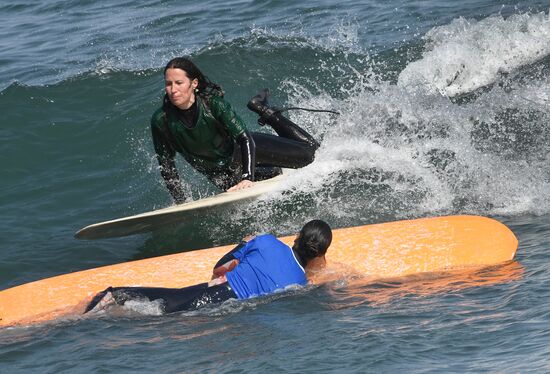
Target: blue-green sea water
[[444, 109]]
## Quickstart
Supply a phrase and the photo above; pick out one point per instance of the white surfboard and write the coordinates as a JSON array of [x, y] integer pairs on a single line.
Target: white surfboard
[[155, 219]]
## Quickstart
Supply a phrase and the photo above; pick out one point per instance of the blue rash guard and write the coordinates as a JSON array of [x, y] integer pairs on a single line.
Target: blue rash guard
[[265, 265]]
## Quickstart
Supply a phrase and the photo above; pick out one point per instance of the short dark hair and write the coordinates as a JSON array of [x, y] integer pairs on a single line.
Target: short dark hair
[[313, 240]]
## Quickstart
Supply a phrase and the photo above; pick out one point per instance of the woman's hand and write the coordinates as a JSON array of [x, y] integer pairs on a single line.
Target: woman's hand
[[245, 183], [216, 281]]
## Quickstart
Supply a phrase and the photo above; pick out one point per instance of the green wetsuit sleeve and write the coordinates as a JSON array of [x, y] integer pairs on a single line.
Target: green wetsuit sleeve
[[224, 113], [165, 156], [163, 149]]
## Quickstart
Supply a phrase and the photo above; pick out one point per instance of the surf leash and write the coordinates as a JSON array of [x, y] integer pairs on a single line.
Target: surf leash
[[307, 110]]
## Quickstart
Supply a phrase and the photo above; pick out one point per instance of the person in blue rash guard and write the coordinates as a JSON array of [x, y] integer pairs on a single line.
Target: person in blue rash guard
[[265, 265], [257, 267]]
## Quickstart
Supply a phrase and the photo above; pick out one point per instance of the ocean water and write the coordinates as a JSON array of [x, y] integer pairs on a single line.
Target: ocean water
[[444, 109]]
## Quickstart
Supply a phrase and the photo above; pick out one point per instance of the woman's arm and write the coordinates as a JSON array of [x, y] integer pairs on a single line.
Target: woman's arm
[[171, 178], [224, 113], [222, 269], [229, 255], [228, 261], [165, 157], [248, 155]]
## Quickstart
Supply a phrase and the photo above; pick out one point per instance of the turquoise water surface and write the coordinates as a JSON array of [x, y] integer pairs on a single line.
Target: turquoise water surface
[[445, 109]]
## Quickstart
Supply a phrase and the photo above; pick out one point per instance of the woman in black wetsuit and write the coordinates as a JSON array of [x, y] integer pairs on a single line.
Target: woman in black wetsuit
[[198, 123]]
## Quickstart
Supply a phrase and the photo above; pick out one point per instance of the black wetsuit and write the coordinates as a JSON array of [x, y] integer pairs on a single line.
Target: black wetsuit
[[172, 299], [214, 140], [186, 298]]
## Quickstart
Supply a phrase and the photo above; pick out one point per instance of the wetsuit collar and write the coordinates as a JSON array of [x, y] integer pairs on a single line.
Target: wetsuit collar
[[188, 116]]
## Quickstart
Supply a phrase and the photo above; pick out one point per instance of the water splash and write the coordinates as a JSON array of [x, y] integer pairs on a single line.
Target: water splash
[[468, 54], [397, 152]]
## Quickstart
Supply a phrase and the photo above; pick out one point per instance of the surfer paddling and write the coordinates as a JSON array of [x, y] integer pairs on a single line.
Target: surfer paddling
[[197, 122], [256, 267]]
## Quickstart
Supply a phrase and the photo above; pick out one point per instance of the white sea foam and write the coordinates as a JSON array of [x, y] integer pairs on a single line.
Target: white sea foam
[[486, 156], [468, 54], [145, 307]]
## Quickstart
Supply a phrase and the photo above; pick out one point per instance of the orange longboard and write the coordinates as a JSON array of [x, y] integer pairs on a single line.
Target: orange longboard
[[378, 251]]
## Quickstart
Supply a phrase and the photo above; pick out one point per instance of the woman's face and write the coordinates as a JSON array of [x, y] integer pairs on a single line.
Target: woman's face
[[179, 88]]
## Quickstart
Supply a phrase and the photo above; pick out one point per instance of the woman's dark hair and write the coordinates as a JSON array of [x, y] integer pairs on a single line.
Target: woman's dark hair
[[313, 240], [190, 69], [205, 86]]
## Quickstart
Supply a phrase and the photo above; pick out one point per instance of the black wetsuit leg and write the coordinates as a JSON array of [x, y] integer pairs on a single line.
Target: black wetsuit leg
[[282, 152], [292, 148], [233, 175], [173, 299], [287, 129]]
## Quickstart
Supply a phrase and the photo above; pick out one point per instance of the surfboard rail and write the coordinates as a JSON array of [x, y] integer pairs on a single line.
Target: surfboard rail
[[149, 221], [377, 251]]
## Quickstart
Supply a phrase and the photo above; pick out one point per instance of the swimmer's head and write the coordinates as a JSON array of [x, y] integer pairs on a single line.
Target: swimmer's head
[[190, 69], [313, 240]]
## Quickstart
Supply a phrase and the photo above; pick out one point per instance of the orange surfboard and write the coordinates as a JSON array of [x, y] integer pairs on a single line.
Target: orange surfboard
[[385, 250]]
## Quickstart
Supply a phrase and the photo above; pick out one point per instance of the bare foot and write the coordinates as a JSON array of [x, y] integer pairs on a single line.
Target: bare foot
[[106, 301]]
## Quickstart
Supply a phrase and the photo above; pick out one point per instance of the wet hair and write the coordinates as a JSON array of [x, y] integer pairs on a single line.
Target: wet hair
[[313, 240], [190, 69], [205, 86]]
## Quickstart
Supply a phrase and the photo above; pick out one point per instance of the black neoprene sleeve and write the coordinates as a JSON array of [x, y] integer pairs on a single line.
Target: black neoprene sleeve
[[248, 155], [229, 255]]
